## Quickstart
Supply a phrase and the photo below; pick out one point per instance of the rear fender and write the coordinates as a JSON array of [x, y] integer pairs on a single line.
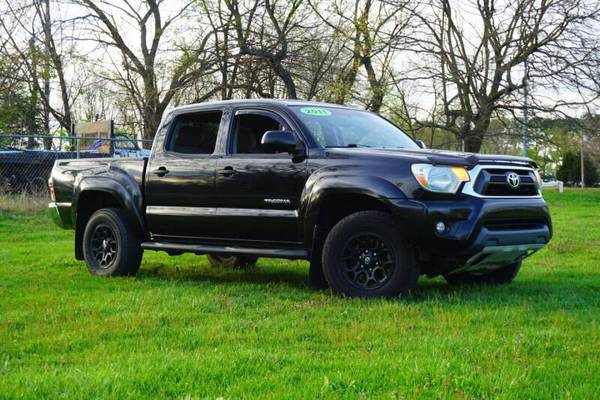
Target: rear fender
[[116, 183]]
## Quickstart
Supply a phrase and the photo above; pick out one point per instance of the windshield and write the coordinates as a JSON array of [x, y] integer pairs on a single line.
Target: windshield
[[342, 127]]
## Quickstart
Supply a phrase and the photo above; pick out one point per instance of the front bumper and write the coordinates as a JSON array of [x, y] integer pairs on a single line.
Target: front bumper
[[481, 233], [492, 249], [60, 214]]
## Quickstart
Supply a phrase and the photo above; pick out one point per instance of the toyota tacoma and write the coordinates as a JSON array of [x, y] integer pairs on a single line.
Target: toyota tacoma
[[368, 206]]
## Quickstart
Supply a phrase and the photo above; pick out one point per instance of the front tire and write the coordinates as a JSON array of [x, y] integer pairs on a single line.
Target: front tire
[[500, 276], [111, 245], [366, 256]]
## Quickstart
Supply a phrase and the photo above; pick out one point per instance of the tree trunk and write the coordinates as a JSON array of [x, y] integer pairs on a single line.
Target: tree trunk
[[150, 127], [473, 141], [287, 79], [377, 89], [473, 138], [344, 86]]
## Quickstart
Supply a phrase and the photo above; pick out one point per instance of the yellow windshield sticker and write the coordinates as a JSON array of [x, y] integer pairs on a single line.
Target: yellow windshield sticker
[[315, 111]]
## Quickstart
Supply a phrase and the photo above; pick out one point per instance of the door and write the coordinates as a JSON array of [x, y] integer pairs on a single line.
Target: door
[[180, 184], [258, 191]]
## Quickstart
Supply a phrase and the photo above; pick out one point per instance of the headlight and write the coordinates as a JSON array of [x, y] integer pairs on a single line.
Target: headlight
[[441, 179]]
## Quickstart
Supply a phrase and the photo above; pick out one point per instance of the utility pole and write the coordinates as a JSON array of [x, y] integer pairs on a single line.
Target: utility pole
[[582, 163], [47, 141], [525, 110]]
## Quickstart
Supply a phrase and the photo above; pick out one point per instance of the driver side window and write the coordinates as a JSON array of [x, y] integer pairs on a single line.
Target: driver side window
[[248, 130]]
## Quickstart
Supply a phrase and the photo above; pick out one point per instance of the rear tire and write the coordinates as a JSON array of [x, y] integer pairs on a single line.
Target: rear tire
[[235, 262], [366, 256], [500, 276], [111, 245]]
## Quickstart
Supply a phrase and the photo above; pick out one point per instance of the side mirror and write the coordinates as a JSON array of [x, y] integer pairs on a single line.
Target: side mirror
[[279, 141], [421, 144]]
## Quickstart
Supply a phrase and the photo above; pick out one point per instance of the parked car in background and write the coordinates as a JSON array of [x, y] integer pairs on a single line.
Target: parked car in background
[[121, 146], [26, 170]]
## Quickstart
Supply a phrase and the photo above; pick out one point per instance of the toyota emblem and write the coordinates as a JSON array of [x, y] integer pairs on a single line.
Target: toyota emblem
[[513, 179]]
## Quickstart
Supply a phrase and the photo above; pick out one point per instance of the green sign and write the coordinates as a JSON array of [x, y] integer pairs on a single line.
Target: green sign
[[316, 111]]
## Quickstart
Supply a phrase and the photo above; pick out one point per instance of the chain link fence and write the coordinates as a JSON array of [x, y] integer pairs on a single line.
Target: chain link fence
[[26, 160]]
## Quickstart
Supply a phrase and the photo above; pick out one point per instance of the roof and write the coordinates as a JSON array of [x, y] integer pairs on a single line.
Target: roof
[[272, 102]]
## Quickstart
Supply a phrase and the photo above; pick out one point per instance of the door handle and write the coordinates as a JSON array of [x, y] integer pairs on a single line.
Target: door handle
[[227, 171], [161, 171]]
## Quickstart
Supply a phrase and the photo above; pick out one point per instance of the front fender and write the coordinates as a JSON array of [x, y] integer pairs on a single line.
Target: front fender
[[320, 187]]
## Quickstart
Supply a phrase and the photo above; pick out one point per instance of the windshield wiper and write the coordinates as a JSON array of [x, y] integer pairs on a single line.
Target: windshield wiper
[[353, 145]]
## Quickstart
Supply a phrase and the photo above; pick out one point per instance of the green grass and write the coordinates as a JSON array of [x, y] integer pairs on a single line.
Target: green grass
[[181, 329]]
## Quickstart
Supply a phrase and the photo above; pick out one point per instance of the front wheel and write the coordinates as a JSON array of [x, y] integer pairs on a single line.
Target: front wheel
[[111, 246], [498, 276], [366, 256]]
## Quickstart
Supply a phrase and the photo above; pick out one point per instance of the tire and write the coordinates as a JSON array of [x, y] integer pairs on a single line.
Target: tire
[[500, 276], [236, 262], [111, 245], [352, 266]]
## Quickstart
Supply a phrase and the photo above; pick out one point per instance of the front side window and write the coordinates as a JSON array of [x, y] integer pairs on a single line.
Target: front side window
[[343, 127], [195, 133], [248, 131]]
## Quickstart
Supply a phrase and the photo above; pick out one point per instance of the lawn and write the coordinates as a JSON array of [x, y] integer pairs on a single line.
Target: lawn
[[182, 329]]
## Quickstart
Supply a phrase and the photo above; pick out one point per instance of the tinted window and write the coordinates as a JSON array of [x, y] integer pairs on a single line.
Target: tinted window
[[343, 127], [249, 130], [195, 133]]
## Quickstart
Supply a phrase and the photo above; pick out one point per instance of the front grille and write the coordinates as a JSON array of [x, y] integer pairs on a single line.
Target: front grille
[[494, 182], [514, 224]]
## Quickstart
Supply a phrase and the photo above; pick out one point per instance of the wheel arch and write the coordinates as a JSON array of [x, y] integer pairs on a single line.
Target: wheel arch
[[332, 206], [94, 192]]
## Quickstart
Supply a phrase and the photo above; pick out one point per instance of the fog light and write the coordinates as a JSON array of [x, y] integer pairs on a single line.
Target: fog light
[[440, 227]]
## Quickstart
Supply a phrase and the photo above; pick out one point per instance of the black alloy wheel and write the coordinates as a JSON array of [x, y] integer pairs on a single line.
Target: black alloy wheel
[[104, 246], [365, 255], [111, 243], [368, 262]]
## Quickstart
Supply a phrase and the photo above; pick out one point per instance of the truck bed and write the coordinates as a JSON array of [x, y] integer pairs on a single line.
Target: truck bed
[[66, 172]]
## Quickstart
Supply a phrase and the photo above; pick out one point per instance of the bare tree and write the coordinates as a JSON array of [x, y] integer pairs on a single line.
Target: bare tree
[[371, 32], [475, 52], [31, 32], [272, 32], [148, 82]]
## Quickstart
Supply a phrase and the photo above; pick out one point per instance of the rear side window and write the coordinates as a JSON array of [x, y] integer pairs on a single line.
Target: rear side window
[[195, 133]]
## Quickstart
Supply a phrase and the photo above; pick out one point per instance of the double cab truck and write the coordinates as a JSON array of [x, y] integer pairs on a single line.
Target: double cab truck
[[368, 206]]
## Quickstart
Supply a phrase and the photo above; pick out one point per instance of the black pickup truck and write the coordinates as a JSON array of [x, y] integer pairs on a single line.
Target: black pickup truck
[[368, 206]]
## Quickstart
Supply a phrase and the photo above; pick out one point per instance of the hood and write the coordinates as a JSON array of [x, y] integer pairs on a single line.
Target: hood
[[440, 157]]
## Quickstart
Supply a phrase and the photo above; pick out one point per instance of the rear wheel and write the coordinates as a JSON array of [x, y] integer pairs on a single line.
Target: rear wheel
[[498, 276], [223, 261], [366, 256], [111, 246]]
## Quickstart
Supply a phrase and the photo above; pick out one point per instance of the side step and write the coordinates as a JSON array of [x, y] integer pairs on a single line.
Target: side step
[[291, 254]]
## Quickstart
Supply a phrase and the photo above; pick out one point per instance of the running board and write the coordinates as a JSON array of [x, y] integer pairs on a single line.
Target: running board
[[291, 254]]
